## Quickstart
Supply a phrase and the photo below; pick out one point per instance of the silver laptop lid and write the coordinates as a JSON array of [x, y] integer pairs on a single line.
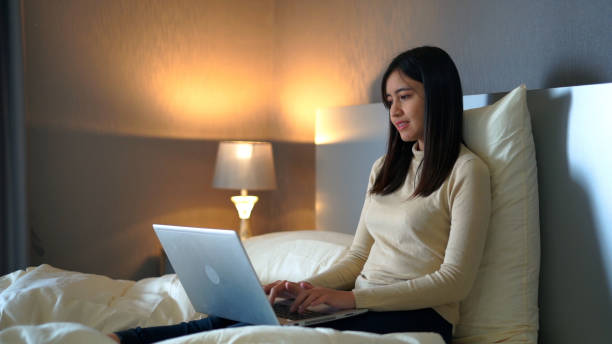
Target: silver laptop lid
[[216, 273]]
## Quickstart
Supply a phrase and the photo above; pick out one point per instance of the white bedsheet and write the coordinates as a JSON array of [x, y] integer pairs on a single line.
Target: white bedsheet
[[48, 305]]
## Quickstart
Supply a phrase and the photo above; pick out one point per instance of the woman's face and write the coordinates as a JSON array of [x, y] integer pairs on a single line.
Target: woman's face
[[407, 109]]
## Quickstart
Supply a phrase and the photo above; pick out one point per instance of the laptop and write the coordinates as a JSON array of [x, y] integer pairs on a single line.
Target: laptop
[[218, 277]]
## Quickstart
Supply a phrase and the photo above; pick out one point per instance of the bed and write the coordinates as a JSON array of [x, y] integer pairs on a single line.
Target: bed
[[44, 304]]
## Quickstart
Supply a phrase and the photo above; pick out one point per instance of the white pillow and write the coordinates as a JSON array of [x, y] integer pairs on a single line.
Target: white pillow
[[502, 306], [295, 255]]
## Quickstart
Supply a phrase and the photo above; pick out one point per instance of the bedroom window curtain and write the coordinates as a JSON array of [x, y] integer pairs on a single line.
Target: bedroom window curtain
[[14, 237]]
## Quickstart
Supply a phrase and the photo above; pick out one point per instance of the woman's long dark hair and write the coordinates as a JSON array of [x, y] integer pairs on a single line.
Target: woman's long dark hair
[[443, 122]]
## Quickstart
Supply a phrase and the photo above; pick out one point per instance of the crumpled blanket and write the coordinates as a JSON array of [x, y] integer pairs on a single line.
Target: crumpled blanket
[[44, 304]]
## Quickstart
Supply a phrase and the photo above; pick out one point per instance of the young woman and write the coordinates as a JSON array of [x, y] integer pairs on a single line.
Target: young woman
[[422, 229]]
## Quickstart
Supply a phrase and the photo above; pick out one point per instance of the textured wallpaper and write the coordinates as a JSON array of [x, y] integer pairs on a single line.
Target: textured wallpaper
[[333, 53], [260, 69], [182, 69]]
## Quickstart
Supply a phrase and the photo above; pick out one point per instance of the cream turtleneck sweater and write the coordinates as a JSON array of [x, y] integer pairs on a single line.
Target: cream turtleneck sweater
[[413, 253]]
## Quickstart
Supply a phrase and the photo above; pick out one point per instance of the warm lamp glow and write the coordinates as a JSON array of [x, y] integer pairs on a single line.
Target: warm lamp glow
[[204, 96], [244, 205], [321, 139], [244, 151], [327, 130], [302, 94], [322, 132], [192, 100], [334, 125]]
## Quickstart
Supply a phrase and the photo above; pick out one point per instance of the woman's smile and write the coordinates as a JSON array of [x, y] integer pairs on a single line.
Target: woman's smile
[[401, 125]]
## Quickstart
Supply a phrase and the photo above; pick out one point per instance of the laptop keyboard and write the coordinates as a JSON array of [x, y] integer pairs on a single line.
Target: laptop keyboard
[[282, 311]]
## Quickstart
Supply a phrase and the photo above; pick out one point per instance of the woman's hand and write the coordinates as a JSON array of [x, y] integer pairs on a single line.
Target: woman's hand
[[317, 295], [285, 289]]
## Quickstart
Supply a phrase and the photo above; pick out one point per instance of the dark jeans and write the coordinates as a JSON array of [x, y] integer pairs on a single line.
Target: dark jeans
[[422, 320]]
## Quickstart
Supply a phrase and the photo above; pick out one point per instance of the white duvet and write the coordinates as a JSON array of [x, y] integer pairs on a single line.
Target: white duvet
[[48, 305]]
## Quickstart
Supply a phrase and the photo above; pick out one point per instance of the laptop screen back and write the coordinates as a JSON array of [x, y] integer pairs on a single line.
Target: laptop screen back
[[216, 273]]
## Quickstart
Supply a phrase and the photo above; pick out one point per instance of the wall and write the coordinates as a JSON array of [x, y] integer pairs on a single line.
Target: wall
[[150, 69], [126, 100], [333, 53], [570, 128]]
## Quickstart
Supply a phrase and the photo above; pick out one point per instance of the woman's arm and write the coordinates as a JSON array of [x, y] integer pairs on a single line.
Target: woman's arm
[[340, 276]]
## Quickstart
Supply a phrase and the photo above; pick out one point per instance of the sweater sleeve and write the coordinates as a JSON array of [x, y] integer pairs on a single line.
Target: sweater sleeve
[[470, 204], [343, 274]]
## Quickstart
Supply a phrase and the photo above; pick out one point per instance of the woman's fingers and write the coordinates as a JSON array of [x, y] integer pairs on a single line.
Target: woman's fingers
[[316, 296], [276, 290], [317, 302], [299, 299], [309, 300], [306, 285], [287, 289], [293, 288], [269, 286], [303, 300]]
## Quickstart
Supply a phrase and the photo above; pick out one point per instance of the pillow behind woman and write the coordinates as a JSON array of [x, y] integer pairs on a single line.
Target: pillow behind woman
[[502, 306]]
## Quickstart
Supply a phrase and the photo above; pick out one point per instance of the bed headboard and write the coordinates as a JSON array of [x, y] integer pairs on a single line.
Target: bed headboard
[[572, 129]]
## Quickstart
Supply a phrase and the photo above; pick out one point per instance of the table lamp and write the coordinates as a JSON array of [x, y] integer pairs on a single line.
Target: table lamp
[[244, 165]]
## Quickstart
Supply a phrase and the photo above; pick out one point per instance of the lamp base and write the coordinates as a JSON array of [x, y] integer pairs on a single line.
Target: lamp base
[[245, 229]]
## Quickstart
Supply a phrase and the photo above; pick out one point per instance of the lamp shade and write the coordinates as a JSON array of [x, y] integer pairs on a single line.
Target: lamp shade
[[245, 165]]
